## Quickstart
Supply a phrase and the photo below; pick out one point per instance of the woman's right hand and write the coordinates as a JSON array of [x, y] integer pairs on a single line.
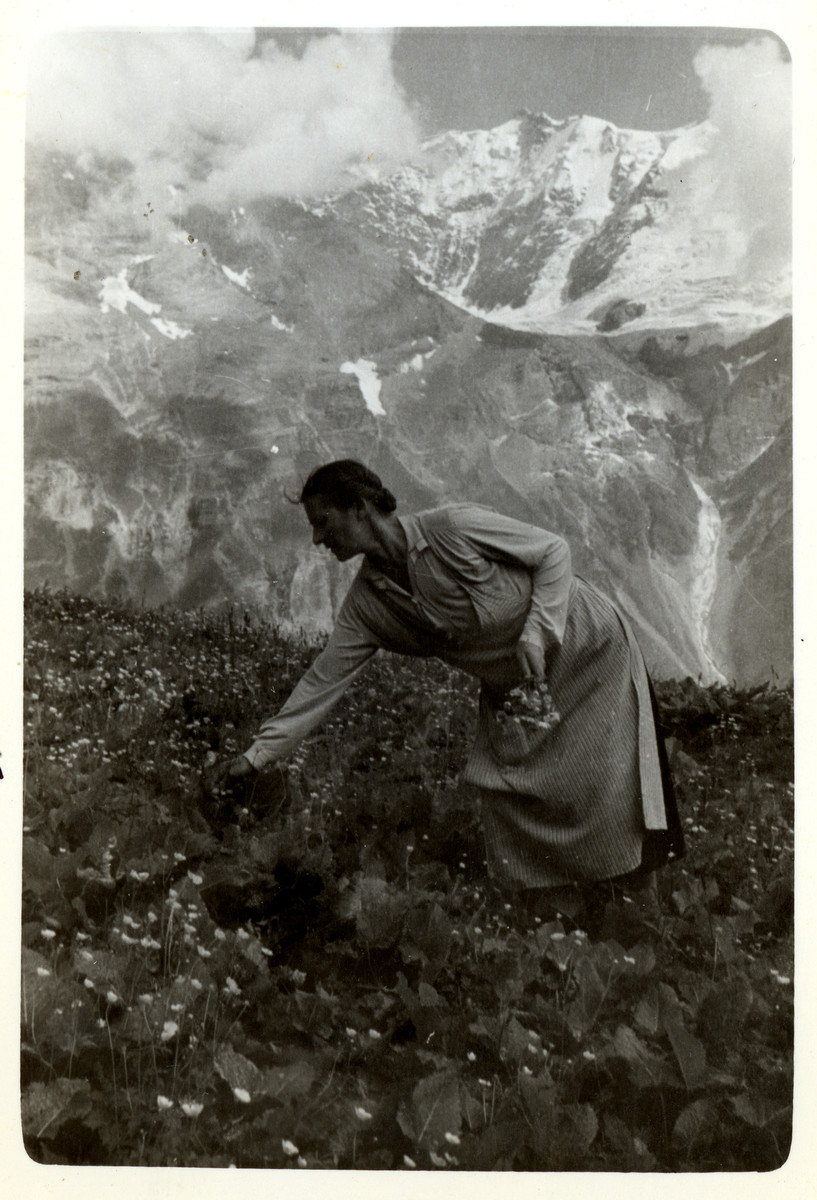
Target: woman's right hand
[[220, 774]]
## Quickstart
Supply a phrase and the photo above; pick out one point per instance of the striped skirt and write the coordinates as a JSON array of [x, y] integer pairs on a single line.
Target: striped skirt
[[586, 797]]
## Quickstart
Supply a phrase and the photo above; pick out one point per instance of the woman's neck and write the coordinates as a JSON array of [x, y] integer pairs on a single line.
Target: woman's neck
[[389, 552]]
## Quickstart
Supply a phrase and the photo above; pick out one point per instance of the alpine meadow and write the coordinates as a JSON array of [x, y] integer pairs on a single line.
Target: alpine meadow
[[584, 325]]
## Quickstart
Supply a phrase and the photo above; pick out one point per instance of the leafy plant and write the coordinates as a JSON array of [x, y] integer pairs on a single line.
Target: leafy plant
[[319, 972]]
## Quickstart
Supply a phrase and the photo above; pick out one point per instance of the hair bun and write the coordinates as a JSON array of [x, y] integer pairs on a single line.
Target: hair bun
[[347, 483]]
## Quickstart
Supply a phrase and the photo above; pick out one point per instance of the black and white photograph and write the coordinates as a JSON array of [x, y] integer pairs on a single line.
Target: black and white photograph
[[409, 650]]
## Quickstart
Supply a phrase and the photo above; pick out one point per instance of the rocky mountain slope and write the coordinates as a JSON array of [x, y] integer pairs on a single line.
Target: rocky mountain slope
[[184, 374]]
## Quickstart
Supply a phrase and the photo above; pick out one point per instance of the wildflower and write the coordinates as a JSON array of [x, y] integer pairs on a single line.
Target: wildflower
[[373, 1033], [452, 1138], [289, 1148], [350, 1032], [362, 1114], [169, 1031], [471, 1056], [301, 1160], [48, 934], [588, 1054], [409, 1161], [195, 879], [89, 983], [629, 960], [231, 987], [145, 999], [219, 935], [163, 1103], [242, 1094], [43, 971], [484, 1082], [203, 952], [112, 997], [139, 876], [191, 1108]]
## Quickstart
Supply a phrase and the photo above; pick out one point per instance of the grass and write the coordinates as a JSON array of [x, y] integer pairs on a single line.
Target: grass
[[320, 973]]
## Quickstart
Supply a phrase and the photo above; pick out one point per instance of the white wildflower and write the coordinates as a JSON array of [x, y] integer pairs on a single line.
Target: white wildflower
[[162, 1102], [191, 1108], [242, 1094], [289, 1148]]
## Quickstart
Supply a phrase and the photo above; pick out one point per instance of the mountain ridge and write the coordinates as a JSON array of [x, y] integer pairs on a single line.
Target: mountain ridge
[[183, 376]]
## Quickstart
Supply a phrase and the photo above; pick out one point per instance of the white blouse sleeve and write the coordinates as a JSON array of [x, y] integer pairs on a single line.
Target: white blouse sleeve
[[545, 555], [319, 689]]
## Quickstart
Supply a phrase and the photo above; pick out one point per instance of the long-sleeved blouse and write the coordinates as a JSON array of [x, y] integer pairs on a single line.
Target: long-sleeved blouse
[[480, 583]]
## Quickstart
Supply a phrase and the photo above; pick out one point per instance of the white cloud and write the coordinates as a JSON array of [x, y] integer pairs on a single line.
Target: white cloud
[[744, 179], [195, 109]]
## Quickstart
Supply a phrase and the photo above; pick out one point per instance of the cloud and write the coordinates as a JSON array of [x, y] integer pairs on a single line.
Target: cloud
[[743, 179], [218, 115]]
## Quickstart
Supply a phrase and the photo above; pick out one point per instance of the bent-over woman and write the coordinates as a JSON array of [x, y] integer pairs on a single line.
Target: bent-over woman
[[582, 800]]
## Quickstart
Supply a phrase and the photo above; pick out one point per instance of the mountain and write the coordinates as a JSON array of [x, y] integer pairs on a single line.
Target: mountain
[[568, 226], [479, 325]]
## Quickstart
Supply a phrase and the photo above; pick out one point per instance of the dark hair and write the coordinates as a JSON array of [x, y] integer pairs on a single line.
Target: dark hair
[[345, 484]]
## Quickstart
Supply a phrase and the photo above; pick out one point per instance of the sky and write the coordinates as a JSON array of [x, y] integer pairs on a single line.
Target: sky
[[478, 78]]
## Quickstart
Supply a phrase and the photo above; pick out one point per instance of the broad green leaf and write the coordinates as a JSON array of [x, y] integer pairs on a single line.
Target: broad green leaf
[[696, 1125], [47, 1106], [563, 1134], [688, 1050], [646, 1069], [294, 1079], [433, 1111], [515, 1042], [756, 1109], [238, 1071], [56, 1012]]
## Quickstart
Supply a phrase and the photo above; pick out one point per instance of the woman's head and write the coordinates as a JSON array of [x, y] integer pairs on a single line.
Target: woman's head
[[347, 484], [345, 502]]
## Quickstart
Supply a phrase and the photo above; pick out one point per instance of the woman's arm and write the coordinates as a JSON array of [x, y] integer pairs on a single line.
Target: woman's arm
[[320, 688], [546, 555]]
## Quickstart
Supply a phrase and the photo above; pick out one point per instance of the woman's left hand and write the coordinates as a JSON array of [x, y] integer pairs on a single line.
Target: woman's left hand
[[531, 659]]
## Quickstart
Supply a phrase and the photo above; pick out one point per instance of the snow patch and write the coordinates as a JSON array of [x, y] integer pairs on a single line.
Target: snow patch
[[243, 280], [276, 324], [117, 293], [366, 373], [170, 329]]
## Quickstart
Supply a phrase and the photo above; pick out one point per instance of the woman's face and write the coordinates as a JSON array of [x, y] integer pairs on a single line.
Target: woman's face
[[343, 531]]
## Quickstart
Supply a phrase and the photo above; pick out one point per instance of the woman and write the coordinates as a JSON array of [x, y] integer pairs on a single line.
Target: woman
[[584, 800]]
